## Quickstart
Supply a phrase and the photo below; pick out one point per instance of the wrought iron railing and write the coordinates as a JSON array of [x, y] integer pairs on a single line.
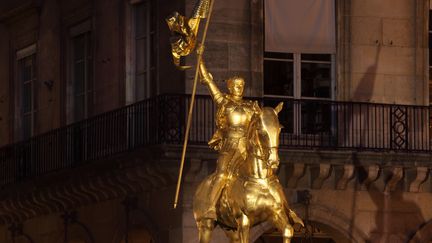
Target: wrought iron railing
[[161, 120]]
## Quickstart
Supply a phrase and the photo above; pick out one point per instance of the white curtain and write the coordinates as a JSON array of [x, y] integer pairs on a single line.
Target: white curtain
[[305, 26]]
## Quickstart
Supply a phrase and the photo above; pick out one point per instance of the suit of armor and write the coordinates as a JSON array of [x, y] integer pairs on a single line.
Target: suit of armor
[[233, 117]]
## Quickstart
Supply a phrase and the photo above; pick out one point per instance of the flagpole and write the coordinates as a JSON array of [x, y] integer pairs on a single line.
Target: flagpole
[[189, 120]]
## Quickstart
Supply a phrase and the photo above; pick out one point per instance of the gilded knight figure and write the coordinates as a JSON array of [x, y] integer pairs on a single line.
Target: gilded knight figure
[[233, 117], [244, 190]]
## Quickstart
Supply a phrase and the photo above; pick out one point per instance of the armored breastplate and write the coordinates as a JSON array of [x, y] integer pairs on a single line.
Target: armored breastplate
[[237, 120]]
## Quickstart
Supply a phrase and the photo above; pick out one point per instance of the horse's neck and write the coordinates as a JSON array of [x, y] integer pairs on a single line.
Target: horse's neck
[[256, 167]]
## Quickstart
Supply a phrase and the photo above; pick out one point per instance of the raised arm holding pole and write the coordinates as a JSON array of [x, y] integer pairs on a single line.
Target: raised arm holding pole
[[182, 45]]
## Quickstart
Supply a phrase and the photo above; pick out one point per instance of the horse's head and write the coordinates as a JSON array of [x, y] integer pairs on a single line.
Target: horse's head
[[264, 134]]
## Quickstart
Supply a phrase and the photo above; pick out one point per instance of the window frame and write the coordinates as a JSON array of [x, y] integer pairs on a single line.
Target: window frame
[[297, 77], [21, 55], [83, 28], [297, 85], [150, 70]]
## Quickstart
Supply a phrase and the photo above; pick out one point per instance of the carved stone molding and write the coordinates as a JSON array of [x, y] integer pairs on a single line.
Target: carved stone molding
[[298, 171], [372, 175], [348, 174], [319, 175], [196, 166], [421, 176], [397, 174], [82, 191]]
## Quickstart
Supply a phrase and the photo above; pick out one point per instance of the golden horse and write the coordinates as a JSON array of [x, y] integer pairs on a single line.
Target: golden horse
[[253, 194]]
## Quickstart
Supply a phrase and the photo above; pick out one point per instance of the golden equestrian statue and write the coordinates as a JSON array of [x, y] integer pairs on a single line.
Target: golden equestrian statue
[[244, 190]]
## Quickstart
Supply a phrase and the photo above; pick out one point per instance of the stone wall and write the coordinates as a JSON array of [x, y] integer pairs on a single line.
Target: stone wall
[[233, 45], [48, 68], [149, 218], [388, 51]]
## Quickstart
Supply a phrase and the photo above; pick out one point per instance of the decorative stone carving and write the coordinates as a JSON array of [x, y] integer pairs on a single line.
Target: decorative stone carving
[[194, 170], [348, 174], [372, 175], [397, 174], [422, 174], [323, 173], [298, 171]]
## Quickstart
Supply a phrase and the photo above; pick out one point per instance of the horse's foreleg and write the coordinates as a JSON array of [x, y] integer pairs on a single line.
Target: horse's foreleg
[[205, 228], [243, 227], [281, 222], [234, 236]]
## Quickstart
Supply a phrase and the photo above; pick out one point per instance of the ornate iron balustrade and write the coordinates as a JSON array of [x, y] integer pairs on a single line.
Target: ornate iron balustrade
[[161, 120]]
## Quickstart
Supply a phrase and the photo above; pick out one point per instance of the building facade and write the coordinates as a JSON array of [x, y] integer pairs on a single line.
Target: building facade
[[93, 114]]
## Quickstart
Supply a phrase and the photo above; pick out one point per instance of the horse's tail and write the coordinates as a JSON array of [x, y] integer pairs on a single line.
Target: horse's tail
[[294, 219]]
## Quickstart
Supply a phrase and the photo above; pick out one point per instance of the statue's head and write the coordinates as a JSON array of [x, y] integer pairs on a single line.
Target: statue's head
[[236, 86]]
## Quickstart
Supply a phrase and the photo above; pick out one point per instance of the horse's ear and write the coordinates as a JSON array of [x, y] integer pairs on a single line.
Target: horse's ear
[[279, 107]]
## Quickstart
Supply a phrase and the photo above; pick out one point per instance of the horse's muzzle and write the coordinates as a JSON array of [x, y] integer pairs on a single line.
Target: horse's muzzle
[[273, 159]]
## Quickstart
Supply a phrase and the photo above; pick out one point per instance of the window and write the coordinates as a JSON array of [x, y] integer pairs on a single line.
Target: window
[[26, 71], [80, 65], [144, 22], [298, 75], [298, 67], [82, 76]]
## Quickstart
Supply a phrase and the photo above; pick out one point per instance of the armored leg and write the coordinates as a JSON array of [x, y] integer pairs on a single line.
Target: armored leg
[[205, 229], [223, 171]]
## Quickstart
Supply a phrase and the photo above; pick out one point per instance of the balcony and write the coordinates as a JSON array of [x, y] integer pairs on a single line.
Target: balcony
[[309, 124]]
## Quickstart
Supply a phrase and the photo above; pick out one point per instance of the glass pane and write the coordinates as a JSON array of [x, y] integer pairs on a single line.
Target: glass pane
[[26, 69], [79, 47], [430, 87], [140, 89], [27, 97], [278, 78], [79, 106], [89, 81], [141, 19], [430, 49], [316, 80], [89, 63], [430, 19], [90, 102], [26, 126], [315, 117], [153, 76], [153, 51], [79, 77], [141, 61], [153, 15], [33, 67]]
